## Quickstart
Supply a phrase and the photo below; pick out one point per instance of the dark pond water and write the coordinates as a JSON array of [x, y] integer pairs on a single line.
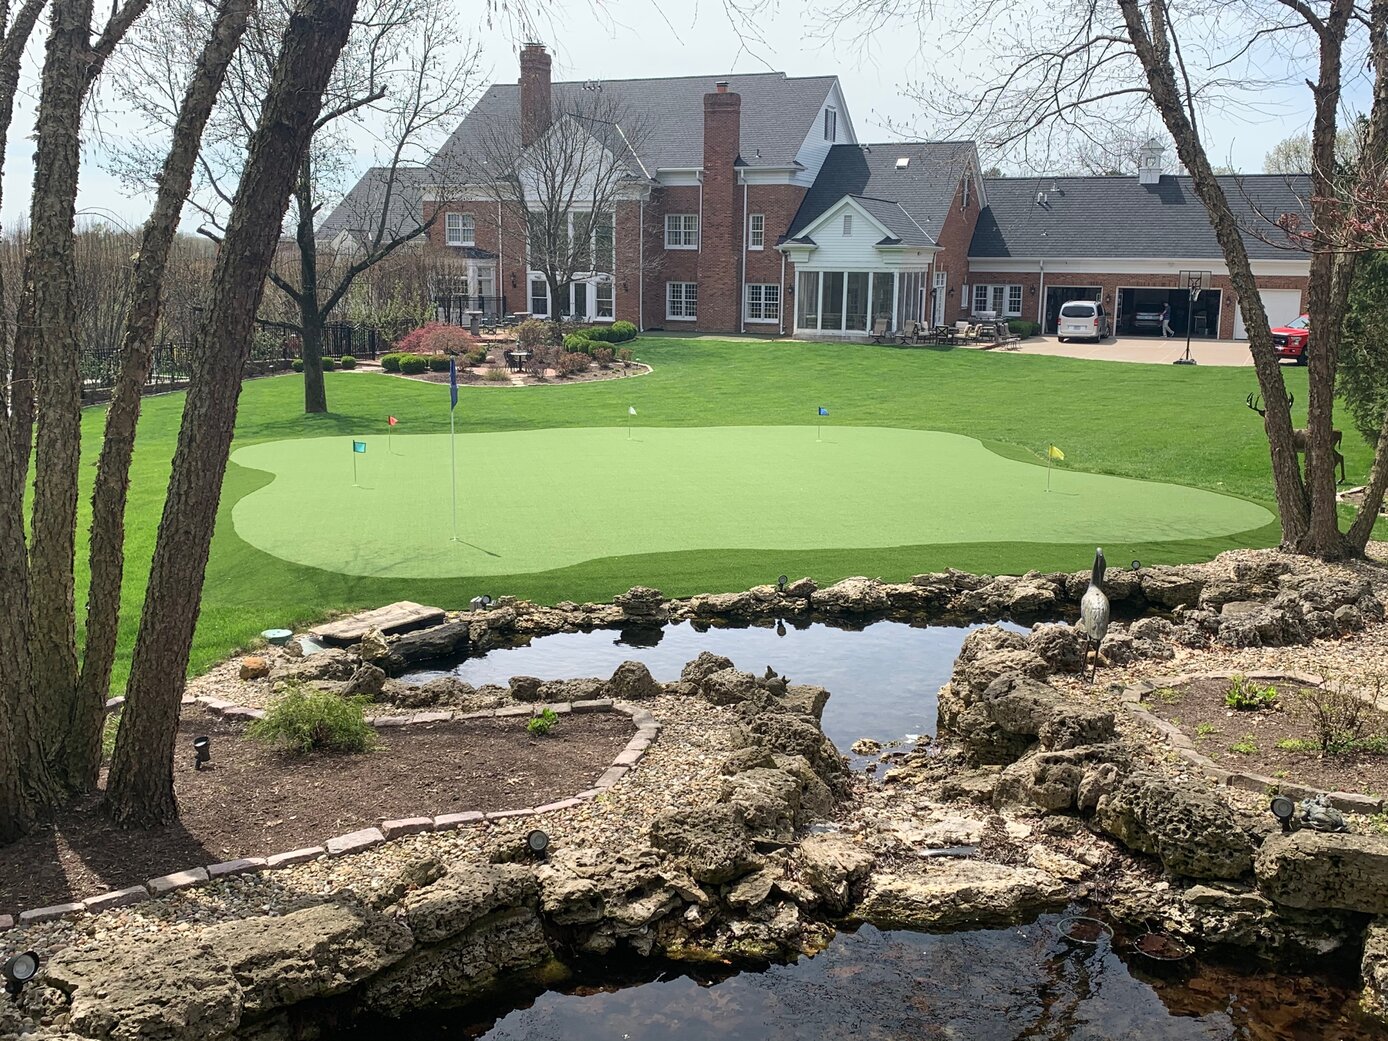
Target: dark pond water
[[883, 679], [986, 985]]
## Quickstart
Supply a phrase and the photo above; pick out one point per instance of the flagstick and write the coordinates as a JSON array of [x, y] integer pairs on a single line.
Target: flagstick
[[354, 466], [453, 466], [628, 426], [1048, 466]]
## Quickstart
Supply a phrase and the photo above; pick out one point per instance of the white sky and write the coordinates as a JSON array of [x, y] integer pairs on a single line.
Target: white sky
[[638, 38]]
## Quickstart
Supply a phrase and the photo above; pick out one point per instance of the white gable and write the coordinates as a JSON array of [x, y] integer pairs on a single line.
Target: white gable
[[815, 148]]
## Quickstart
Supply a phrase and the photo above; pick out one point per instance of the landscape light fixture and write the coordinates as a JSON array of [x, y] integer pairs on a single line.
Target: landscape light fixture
[[202, 751], [19, 970], [1136, 565], [537, 842], [1284, 810], [781, 583]]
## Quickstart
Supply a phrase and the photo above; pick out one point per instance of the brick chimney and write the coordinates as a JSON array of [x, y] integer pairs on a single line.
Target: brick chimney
[[720, 243], [534, 92]]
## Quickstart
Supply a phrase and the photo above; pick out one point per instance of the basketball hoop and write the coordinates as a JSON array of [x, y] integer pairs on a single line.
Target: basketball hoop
[[1195, 283]]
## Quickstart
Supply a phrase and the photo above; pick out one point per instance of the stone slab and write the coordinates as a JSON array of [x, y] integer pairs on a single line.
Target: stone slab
[[389, 721], [294, 856], [486, 713], [216, 705], [642, 718], [1353, 802], [354, 841], [407, 826], [562, 804], [48, 914], [431, 717], [591, 793], [177, 880], [399, 617], [562, 708], [504, 814], [638, 744], [241, 866], [243, 713], [593, 705], [6, 922], [514, 710], [612, 775], [649, 733], [116, 898], [629, 757], [449, 821]]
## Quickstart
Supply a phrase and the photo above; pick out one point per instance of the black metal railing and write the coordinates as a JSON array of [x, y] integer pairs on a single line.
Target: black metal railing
[[453, 310]]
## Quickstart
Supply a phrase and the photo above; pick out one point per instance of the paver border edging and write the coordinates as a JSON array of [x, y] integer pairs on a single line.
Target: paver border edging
[[647, 732], [1134, 700]]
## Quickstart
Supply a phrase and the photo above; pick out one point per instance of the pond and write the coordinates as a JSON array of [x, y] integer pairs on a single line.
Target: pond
[[984, 985], [883, 679]]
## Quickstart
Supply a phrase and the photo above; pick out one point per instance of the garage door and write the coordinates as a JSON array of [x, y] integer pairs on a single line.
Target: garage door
[[1282, 305]]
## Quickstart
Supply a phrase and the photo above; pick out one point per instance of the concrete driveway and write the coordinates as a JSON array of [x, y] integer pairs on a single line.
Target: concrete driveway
[[1150, 349]]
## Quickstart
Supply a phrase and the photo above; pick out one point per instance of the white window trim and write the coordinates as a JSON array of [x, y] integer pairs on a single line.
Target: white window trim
[[747, 303], [847, 225], [989, 289], [753, 231], [684, 229], [455, 230], [831, 124], [613, 286], [681, 317]]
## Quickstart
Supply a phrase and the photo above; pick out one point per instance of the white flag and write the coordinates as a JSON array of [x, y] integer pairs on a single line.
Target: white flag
[[631, 410]]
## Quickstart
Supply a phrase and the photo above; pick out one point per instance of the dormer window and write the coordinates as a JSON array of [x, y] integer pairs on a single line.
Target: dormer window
[[831, 124], [903, 162]]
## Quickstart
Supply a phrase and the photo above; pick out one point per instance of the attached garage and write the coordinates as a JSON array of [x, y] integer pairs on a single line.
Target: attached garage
[[1281, 305]]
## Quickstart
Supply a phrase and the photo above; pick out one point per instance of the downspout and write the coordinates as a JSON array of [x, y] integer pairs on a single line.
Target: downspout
[[1041, 297], [641, 267], [501, 264], [784, 295], [742, 265]]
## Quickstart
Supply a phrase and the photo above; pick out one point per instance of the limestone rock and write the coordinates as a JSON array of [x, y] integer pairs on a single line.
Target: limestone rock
[[331, 664], [368, 681], [1193, 833], [441, 690], [710, 841], [806, 700], [704, 666], [1250, 623], [1325, 870], [959, 892], [749, 758], [852, 596], [797, 735], [632, 681], [526, 688], [834, 867], [373, 647], [801, 589], [1374, 968], [559, 691], [451, 905], [1058, 645], [254, 668], [639, 602], [1171, 587], [728, 687], [769, 800], [1061, 780]]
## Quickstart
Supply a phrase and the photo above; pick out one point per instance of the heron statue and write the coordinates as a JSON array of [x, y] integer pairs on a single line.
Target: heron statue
[[1094, 613]]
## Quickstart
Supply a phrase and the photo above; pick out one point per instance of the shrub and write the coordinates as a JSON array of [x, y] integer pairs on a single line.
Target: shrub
[[1245, 695], [436, 338], [542, 724], [623, 331], [571, 363], [413, 364], [1022, 327], [533, 333], [625, 355], [391, 362], [580, 341], [305, 719], [297, 365], [496, 375], [438, 362], [603, 356], [1246, 745], [1297, 744], [328, 364], [478, 355], [1336, 717], [348, 362]]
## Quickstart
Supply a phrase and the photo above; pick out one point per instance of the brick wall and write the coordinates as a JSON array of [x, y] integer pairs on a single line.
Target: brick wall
[[778, 203], [662, 265], [955, 235], [500, 231], [721, 230]]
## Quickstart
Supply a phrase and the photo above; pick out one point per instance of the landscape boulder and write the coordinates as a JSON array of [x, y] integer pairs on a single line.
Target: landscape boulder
[[1060, 781], [1059, 645], [373, 646], [639, 602], [851, 596], [704, 666], [769, 801], [1171, 587], [710, 842], [632, 681], [1325, 870], [254, 668], [959, 892], [526, 688], [468, 893], [834, 867], [334, 664], [1192, 832], [368, 681]]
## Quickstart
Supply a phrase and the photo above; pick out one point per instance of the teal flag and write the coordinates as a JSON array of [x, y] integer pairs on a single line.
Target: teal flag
[[359, 447]]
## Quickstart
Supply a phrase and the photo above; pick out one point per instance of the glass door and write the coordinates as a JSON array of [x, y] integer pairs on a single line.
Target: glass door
[[580, 300], [856, 310]]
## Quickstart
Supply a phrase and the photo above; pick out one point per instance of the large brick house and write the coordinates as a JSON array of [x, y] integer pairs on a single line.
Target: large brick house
[[749, 205]]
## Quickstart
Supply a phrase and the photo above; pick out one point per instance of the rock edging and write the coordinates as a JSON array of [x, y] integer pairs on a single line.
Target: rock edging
[[647, 732]]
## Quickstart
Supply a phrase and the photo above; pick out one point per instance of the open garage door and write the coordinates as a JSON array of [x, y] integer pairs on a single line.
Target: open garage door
[[1282, 305]]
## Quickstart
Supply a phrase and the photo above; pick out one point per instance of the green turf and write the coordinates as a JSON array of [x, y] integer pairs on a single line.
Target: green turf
[[1179, 424], [533, 501]]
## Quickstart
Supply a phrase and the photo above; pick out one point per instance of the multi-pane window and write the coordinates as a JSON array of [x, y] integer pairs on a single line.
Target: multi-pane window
[[1014, 300], [964, 298], [831, 124], [763, 302], [604, 243], [756, 231], [1006, 300], [681, 300], [980, 298], [681, 231], [603, 298], [461, 229], [539, 296]]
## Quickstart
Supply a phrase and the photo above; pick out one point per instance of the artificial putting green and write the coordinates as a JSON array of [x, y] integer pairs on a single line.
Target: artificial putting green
[[533, 501]]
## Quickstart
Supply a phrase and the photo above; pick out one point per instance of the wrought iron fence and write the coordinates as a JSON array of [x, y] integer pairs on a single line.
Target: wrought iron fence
[[170, 366]]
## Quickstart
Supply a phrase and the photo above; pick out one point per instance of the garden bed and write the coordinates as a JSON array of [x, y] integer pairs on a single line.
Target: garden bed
[[255, 800], [1281, 739]]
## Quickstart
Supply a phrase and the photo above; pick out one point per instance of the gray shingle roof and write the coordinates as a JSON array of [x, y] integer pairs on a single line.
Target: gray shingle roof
[[777, 114], [359, 212], [1120, 218], [912, 201]]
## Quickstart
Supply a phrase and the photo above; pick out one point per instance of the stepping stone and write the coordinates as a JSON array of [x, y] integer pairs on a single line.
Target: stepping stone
[[355, 841], [116, 898], [294, 856], [401, 617]]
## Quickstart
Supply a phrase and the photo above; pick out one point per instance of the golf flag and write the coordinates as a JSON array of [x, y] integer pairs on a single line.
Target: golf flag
[[823, 411], [1055, 453], [631, 410], [359, 447], [452, 383], [391, 420]]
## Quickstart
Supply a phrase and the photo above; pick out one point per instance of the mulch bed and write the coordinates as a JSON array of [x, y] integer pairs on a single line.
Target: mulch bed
[[255, 800], [1199, 705]]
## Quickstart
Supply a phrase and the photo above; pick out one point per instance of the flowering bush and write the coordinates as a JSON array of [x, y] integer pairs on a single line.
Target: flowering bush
[[436, 338]]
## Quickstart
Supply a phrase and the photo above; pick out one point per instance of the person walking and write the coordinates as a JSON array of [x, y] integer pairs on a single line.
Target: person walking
[[1166, 330]]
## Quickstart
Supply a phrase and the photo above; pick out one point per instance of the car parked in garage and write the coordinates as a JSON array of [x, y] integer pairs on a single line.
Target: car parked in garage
[[1292, 339]]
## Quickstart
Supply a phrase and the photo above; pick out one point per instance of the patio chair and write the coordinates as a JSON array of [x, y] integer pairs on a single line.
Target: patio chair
[[910, 332], [879, 330]]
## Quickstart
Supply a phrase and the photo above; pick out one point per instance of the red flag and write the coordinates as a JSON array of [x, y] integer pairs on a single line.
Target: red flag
[[391, 420]]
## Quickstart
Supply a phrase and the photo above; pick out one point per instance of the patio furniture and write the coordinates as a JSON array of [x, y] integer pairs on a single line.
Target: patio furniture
[[879, 330], [910, 332]]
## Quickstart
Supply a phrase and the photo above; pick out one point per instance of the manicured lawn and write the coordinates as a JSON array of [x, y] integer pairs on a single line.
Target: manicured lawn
[[1170, 424]]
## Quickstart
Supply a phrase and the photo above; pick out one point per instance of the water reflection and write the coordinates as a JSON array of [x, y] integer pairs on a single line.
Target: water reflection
[[883, 676], [986, 985]]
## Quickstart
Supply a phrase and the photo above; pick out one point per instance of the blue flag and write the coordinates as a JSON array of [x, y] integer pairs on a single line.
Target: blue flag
[[823, 411], [359, 447], [452, 383]]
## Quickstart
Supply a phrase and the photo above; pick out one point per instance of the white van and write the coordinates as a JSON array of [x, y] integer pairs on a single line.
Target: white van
[[1082, 320]]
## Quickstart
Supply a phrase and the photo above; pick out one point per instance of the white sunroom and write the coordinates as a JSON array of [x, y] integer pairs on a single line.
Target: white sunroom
[[861, 260]]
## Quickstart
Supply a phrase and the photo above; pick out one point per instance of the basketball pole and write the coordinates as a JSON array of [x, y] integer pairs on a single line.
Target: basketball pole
[[1195, 283]]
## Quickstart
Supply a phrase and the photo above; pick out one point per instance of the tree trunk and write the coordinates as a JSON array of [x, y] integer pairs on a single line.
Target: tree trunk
[[47, 328], [310, 316], [81, 756], [140, 788]]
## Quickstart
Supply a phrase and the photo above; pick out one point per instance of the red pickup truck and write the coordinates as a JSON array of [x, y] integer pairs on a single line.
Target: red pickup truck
[[1291, 340]]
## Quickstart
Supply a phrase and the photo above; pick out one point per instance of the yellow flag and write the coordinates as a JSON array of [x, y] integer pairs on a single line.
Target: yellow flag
[[1055, 453]]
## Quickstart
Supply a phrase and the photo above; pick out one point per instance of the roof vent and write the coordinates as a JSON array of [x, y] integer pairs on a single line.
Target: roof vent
[[903, 162], [1041, 199]]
